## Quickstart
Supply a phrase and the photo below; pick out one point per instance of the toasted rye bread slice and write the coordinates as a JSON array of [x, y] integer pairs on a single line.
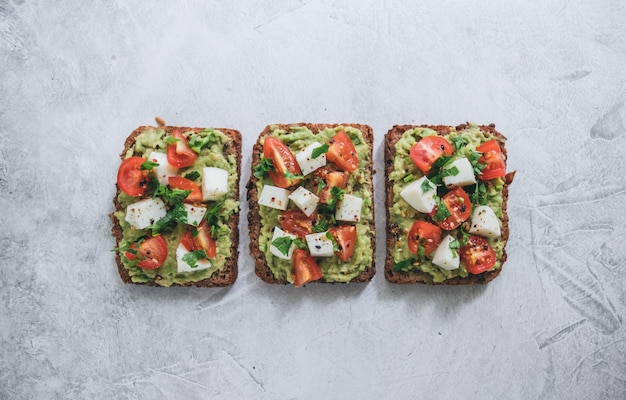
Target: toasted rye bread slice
[[394, 232], [261, 268], [228, 275]]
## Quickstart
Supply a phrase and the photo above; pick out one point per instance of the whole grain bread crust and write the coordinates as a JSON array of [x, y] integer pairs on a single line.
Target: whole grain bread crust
[[394, 232], [261, 268], [228, 274]]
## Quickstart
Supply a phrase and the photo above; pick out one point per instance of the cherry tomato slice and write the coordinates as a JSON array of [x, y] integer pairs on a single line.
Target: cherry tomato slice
[[152, 252], [204, 241], [425, 152], [345, 236], [458, 204], [179, 154], [494, 160], [178, 182], [296, 222], [425, 235], [477, 255], [342, 152], [187, 241], [305, 269], [331, 179], [131, 179], [283, 160]]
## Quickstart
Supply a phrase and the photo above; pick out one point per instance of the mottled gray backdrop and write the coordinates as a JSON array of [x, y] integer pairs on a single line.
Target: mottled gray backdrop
[[77, 77]]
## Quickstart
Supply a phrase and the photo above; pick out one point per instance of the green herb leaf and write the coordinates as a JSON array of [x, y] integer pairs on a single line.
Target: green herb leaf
[[337, 193], [197, 142], [148, 165], [321, 226], [454, 246], [480, 194], [283, 244], [193, 257], [299, 243], [171, 140], [458, 142], [403, 265], [321, 184], [193, 175], [330, 237], [426, 186], [421, 250], [318, 151], [438, 179], [291, 175], [442, 210], [409, 178], [441, 162], [476, 166], [261, 169]]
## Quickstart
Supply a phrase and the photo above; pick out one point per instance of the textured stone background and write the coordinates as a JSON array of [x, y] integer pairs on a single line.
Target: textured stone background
[[77, 77]]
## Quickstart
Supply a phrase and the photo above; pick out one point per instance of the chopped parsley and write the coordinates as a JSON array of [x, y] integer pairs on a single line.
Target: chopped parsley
[[193, 175], [291, 175], [318, 151], [261, 169], [330, 237], [148, 165], [321, 226], [171, 140], [403, 265], [283, 244], [193, 257], [197, 142], [426, 186], [442, 211], [438, 179], [458, 142], [474, 157]]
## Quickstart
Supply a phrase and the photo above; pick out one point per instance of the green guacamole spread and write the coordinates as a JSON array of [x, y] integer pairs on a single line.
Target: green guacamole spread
[[359, 184], [403, 215], [211, 155]]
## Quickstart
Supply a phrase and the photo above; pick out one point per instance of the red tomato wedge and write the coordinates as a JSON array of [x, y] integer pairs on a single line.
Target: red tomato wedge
[[152, 252], [131, 179], [425, 152], [305, 269], [477, 255], [345, 236], [458, 204], [296, 222], [187, 241], [493, 159], [425, 235], [283, 160], [204, 241], [178, 182], [342, 152], [179, 154], [331, 179]]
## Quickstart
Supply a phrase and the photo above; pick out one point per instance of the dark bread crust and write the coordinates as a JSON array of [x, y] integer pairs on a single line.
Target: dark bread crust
[[254, 217], [228, 275], [394, 232]]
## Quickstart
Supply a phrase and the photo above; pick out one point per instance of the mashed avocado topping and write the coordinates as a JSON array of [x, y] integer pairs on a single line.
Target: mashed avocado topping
[[359, 183], [210, 155], [403, 215]]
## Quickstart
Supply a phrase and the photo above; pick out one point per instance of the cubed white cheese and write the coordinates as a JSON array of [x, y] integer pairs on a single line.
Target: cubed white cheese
[[214, 183], [485, 223], [164, 170], [445, 257], [414, 194], [319, 244], [464, 177], [279, 233], [274, 197], [194, 214], [183, 266], [144, 213], [349, 209], [305, 200], [306, 161]]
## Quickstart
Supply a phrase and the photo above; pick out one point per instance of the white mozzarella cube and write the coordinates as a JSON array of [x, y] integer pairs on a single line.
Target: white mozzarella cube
[[214, 183], [306, 161], [145, 213], [164, 171], [464, 177], [349, 208], [320, 245], [194, 214], [445, 257], [485, 223], [305, 200], [274, 197], [181, 251], [414, 194], [279, 233]]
